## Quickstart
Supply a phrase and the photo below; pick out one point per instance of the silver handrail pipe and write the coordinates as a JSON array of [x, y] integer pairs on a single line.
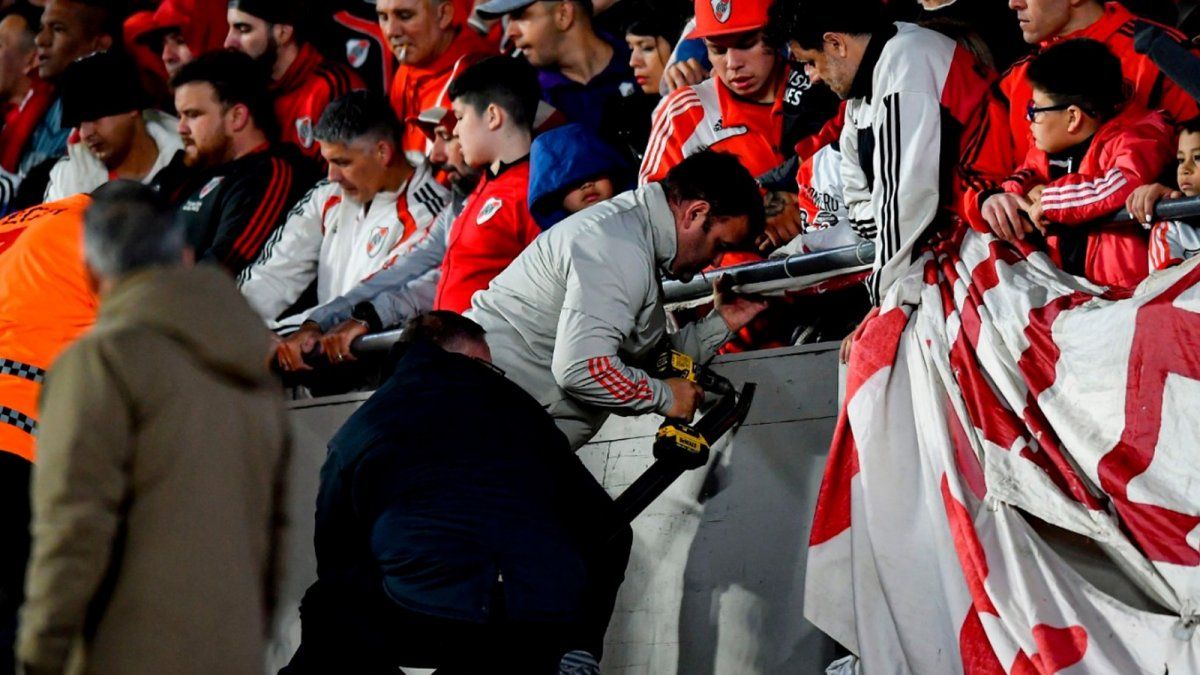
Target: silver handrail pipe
[[802, 264]]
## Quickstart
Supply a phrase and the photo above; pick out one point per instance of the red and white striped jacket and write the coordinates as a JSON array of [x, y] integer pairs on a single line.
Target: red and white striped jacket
[[709, 116], [1127, 151]]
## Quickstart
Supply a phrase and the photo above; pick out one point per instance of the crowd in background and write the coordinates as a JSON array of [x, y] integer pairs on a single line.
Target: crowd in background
[[353, 165]]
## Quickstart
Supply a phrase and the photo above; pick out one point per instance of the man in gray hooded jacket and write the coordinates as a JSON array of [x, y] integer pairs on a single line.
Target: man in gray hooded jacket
[[161, 455], [572, 315]]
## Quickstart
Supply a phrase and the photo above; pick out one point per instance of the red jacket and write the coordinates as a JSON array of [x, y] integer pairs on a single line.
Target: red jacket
[[1151, 89], [1126, 152], [418, 88], [302, 93], [708, 115], [492, 230]]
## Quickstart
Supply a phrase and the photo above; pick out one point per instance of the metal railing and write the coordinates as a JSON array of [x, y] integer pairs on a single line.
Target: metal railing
[[799, 265]]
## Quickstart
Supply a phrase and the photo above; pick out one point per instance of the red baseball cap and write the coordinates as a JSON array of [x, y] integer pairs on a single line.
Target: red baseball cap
[[725, 17]]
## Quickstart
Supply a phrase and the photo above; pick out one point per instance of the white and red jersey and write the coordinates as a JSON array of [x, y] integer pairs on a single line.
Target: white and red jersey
[[1172, 242], [340, 242], [80, 170], [918, 136], [708, 116], [823, 216]]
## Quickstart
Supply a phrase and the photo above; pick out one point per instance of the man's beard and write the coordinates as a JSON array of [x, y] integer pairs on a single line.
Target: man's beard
[[205, 158], [267, 58]]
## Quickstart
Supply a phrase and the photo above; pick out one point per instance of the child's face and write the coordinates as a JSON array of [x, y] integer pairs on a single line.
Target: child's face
[[472, 133], [590, 192], [1188, 172], [1051, 129]]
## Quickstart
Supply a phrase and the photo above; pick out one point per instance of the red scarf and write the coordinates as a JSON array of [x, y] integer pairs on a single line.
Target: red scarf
[[20, 121]]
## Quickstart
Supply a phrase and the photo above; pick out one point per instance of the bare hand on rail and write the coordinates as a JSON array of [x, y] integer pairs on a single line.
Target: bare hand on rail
[[336, 343], [737, 310], [1141, 202], [290, 350], [1004, 213]]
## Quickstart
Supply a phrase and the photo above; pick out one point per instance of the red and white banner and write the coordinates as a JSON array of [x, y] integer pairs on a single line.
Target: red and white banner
[[1008, 431]]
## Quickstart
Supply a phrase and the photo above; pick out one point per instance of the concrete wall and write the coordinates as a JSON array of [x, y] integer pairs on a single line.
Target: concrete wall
[[715, 584]]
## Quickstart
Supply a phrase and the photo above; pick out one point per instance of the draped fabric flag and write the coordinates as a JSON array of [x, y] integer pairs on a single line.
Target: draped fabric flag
[[994, 394]]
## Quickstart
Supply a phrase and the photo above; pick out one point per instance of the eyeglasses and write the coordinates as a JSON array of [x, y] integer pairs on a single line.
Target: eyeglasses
[[1031, 110]]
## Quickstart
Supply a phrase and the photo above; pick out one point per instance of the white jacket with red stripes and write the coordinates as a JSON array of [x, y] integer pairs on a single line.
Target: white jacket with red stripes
[[568, 318], [339, 242]]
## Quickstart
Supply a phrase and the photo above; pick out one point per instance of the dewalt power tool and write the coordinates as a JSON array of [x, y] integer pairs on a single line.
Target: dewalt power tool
[[673, 363], [679, 446]]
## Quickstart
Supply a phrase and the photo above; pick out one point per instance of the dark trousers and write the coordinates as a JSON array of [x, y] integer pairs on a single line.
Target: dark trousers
[[14, 549], [352, 626], [368, 634]]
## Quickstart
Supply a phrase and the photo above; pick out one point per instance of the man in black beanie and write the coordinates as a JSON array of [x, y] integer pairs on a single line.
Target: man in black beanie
[[302, 80], [120, 135]]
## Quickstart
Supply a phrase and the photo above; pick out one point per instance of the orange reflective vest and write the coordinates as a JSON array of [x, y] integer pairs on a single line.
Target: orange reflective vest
[[46, 301]]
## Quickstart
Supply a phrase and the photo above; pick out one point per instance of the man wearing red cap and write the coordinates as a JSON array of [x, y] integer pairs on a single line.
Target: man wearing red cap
[[303, 81], [431, 47], [740, 110]]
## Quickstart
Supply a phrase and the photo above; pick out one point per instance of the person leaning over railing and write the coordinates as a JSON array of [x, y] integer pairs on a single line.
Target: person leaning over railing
[[474, 547], [572, 315], [1091, 150]]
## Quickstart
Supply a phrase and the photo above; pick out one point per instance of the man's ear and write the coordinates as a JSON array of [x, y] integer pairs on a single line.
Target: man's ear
[[494, 117], [283, 33], [104, 43], [836, 44], [385, 151], [238, 117], [445, 15], [564, 15], [695, 214]]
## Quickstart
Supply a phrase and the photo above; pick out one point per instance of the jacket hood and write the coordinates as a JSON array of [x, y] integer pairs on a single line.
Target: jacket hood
[[564, 157], [199, 308], [202, 23]]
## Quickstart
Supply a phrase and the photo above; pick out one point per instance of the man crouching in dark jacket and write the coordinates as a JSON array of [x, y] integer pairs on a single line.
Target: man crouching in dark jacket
[[455, 528]]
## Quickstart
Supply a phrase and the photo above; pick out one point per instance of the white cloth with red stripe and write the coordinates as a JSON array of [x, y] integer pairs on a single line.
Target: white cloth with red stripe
[[80, 170], [997, 407], [1172, 242], [339, 242], [568, 318]]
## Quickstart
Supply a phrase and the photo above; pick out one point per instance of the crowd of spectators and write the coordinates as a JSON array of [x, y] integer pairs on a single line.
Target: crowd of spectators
[[354, 165]]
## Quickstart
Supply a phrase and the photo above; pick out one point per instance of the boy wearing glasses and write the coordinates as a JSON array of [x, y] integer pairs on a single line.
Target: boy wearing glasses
[[1090, 151]]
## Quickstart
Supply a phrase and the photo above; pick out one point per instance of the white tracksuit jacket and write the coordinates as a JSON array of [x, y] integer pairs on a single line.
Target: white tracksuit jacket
[[81, 171], [567, 318], [339, 242], [892, 144]]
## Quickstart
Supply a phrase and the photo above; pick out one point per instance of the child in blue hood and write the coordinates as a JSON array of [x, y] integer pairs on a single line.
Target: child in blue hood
[[570, 169]]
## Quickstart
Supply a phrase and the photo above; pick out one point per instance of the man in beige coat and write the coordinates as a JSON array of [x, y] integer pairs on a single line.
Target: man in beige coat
[[162, 450]]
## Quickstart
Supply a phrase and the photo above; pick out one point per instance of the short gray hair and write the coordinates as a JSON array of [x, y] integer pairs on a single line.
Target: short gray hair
[[129, 227], [359, 114]]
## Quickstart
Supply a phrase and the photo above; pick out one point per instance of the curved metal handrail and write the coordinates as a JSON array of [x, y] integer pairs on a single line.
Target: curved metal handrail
[[802, 264]]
